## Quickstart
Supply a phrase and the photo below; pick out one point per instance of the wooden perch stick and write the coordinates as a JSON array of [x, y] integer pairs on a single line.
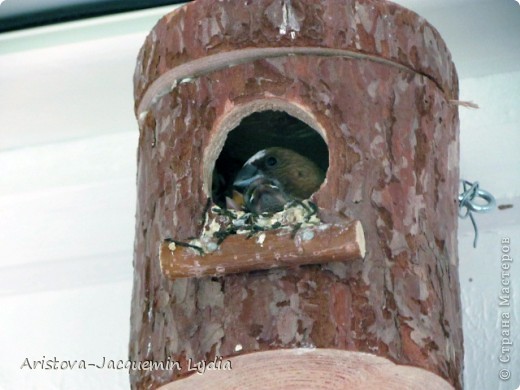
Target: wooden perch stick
[[266, 250]]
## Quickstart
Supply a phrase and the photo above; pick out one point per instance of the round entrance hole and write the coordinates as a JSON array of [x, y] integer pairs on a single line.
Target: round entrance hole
[[262, 130]]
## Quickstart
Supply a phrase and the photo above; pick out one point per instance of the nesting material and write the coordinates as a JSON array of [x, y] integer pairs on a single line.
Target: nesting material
[[221, 223], [235, 241]]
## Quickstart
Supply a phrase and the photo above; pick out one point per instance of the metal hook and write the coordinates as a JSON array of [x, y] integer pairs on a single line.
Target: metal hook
[[467, 201]]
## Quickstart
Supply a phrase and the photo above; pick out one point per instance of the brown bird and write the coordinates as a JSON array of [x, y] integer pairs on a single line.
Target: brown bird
[[275, 176]]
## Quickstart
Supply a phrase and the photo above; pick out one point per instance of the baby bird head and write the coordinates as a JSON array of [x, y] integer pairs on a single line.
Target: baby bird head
[[295, 175], [265, 197]]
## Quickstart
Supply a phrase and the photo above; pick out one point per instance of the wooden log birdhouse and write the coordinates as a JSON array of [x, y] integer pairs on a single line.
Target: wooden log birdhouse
[[297, 198]]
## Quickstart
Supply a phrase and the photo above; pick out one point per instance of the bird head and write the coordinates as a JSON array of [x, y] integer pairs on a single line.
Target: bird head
[[294, 175]]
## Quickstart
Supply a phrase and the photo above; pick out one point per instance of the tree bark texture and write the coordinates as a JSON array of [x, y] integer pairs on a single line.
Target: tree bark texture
[[380, 97]]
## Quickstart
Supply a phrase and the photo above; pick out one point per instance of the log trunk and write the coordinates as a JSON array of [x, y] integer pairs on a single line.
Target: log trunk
[[375, 81]]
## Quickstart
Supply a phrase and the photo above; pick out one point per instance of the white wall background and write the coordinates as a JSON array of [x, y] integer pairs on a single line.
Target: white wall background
[[68, 143]]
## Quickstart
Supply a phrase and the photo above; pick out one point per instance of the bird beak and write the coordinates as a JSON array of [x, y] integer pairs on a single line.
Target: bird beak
[[247, 175]]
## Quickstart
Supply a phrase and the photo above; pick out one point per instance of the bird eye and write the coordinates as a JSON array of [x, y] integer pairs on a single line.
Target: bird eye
[[271, 161]]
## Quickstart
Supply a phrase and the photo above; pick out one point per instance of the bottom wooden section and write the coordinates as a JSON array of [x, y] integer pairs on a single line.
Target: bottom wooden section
[[310, 369]]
